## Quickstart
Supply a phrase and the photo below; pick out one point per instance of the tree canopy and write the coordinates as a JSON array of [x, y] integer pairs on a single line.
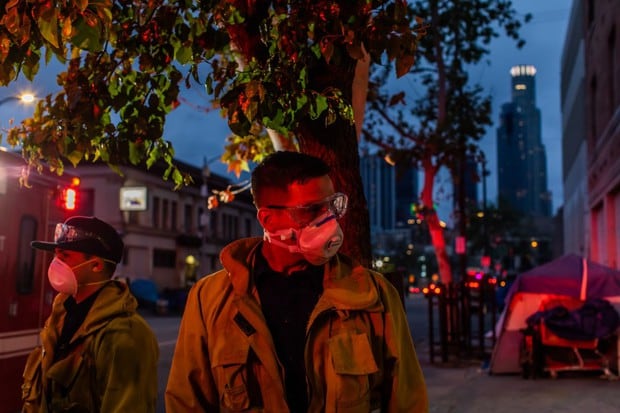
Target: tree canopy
[[263, 61], [439, 121], [292, 72]]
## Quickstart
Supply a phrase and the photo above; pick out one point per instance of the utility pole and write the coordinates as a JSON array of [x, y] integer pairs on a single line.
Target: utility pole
[[485, 219]]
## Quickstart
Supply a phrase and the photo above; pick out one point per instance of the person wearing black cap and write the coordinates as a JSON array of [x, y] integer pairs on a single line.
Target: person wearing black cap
[[97, 354]]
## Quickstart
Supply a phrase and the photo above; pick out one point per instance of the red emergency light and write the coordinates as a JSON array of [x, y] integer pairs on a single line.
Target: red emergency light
[[69, 199], [69, 196]]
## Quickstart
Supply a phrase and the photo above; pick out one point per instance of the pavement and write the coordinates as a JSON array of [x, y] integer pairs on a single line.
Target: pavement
[[465, 386], [470, 389]]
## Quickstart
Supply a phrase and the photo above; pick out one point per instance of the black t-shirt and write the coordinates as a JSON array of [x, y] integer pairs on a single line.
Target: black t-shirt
[[287, 302], [76, 314]]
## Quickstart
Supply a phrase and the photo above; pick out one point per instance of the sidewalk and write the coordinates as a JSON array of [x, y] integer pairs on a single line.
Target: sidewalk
[[470, 389]]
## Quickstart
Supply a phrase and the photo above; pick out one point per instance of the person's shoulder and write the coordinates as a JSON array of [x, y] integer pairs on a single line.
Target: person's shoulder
[[130, 331], [209, 281], [132, 321], [385, 286]]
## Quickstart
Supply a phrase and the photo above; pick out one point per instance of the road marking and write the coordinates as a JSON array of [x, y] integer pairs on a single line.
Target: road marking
[[167, 343]]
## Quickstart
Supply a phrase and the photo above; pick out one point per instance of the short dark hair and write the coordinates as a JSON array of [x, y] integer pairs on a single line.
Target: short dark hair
[[281, 169]]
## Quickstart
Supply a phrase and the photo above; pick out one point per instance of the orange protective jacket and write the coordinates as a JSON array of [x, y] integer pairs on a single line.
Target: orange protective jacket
[[359, 354]]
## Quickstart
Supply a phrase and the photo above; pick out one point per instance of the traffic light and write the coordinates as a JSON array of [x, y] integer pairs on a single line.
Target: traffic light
[[68, 199]]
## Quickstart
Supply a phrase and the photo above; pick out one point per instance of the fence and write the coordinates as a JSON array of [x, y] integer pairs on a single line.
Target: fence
[[459, 314]]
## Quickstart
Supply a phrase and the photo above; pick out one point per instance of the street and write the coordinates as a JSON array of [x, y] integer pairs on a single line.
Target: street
[[462, 388]]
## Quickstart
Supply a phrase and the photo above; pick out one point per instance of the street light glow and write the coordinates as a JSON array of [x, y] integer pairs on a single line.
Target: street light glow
[[27, 98], [24, 98]]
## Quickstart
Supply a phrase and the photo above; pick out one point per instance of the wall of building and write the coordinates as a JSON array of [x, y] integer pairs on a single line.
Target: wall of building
[[175, 225], [602, 57], [574, 149]]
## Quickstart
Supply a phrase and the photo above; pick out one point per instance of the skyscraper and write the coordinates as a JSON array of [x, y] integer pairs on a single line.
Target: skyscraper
[[521, 156], [378, 178], [407, 193]]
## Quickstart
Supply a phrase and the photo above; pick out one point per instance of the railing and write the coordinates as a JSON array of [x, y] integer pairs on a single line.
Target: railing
[[459, 314]]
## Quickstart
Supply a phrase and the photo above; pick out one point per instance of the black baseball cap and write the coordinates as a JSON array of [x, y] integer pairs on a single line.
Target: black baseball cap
[[89, 235]]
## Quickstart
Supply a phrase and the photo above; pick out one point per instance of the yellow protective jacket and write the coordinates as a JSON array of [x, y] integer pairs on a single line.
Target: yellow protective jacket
[[112, 366], [359, 354]]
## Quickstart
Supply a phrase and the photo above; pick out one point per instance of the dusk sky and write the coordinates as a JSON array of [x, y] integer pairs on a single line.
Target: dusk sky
[[196, 134]]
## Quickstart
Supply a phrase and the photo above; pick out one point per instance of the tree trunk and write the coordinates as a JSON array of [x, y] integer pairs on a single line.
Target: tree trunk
[[432, 220], [336, 144]]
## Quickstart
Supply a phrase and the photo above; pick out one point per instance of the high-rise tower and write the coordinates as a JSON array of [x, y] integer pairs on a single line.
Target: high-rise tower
[[521, 157], [379, 188]]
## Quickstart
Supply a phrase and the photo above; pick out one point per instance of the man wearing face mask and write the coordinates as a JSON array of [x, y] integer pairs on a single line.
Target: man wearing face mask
[[97, 354], [289, 325]]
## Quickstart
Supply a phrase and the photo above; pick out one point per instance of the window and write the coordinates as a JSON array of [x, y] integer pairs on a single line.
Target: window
[[26, 255], [173, 215], [165, 219], [213, 224], [187, 218], [230, 227], [155, 216], [593, 98], [611, 70], [202, 222], [164, 258]]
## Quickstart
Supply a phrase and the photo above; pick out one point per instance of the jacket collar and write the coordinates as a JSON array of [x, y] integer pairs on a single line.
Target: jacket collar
[[347, 285], [113, 300]]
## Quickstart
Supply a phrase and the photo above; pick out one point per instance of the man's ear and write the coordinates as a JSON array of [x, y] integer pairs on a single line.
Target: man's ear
[[98, 265], [263, 217]]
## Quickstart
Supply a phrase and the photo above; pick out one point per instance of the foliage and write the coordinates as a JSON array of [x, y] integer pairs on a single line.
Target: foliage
[[430, 120], [438, 122], [127, 60]]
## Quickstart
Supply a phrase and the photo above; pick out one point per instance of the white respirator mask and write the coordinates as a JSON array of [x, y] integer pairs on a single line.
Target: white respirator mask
[[62, 277], [317, 242]]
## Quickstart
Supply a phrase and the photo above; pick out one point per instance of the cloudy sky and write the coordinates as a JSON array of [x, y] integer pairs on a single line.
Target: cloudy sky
[[198, 133]]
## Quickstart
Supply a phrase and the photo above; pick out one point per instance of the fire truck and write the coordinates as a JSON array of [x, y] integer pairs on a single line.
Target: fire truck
[[28, 211]]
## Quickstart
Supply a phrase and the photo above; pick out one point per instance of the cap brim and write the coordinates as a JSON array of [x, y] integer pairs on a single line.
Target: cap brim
[[41, 245], [91, 247]]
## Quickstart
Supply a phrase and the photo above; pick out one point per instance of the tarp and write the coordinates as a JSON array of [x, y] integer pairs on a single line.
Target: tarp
[[563, 276], [570, 276], [144, 290]]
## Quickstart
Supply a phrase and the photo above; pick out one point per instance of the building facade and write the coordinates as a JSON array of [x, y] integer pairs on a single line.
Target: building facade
[[602, 65], [170, 236], [575, 223], [407, 194], [378, 178], [521, 156]]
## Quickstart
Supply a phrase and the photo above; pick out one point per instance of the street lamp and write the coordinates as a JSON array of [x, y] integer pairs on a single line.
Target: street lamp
[[25, 98]]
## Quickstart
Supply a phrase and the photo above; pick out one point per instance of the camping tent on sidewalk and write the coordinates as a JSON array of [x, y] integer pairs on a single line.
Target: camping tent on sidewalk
[[570, 276]]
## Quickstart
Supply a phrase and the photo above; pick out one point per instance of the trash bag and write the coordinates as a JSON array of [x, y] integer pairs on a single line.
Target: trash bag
[[596, 318]]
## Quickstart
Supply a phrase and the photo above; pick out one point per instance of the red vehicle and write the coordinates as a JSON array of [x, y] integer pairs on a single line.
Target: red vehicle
[[27, 212]]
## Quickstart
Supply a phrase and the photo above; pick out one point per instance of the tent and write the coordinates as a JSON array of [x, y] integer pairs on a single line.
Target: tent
[[570, 276]]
